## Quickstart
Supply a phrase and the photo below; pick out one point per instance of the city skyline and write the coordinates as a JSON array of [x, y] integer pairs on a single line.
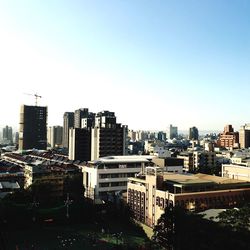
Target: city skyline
[[154, 64]]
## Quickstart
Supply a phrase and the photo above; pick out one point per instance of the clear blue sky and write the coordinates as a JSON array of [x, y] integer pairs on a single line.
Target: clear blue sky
[[151, 62]]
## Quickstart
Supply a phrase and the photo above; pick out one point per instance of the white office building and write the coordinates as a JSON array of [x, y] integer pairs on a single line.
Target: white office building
[[108, 176]]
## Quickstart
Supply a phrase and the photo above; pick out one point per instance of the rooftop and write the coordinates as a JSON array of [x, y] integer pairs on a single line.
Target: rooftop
[[211, 214], [9, 185], [124, 159], [186, 179]]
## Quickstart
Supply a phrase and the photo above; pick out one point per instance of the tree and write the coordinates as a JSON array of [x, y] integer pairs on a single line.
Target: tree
[[238, 219], [164, 230], [74, 187], [19, 196], [42, 191], [181, 230]]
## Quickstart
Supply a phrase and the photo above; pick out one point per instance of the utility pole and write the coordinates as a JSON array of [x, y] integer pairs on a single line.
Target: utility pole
[[68, 202], [34, 206]]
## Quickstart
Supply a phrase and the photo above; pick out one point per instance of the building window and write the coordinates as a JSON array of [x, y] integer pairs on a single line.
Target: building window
[[157, 201], [103, 184]]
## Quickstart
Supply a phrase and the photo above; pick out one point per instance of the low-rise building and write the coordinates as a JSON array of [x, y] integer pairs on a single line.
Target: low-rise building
[[188, 160], [106, 176], [149, 193], [7, 187], [11, 172], [54, 175], [236, 171], [170, 164], [45, 167], [204, 159]]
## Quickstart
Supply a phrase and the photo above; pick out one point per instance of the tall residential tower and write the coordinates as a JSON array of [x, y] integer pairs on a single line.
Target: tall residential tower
[[108, 138], [7, 134], [68, 122], [33, 127], [173, 132], [244, 136]]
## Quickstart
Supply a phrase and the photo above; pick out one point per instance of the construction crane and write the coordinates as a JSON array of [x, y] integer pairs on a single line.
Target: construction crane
[[35, 95]]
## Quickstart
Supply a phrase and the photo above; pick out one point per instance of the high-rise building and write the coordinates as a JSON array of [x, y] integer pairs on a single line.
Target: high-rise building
[[80, 139], [244, 136], [107, 137], [141, 135], [132, 135], [68, 122], [79, 114], [161, 136], [193, 133], [79, 144], [88, 121], [228, 138], [55, 136], [7, 134], [173, 132], [33, 127]]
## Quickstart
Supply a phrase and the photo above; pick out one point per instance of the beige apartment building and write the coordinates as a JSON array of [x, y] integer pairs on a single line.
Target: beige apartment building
[[153, 190], [236, 171], [204, 158], [188, 160], [195, 159]]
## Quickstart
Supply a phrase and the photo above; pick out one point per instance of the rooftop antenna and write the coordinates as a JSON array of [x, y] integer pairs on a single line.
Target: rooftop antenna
[[35, 95]]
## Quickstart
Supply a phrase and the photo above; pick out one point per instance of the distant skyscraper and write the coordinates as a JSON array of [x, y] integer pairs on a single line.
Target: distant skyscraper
[[132, 135], [68, 122], [141, 135], [193, 133], [7, 134], [244, 136], [55, 136], [161, 136], [173, 132], [107, 137], [33, 127], [16, 137]]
